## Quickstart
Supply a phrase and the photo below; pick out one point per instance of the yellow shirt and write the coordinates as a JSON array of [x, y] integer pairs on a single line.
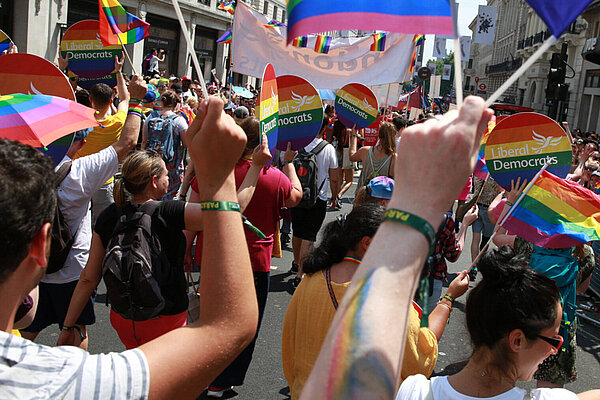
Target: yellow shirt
[[307, 320], [100, 138]]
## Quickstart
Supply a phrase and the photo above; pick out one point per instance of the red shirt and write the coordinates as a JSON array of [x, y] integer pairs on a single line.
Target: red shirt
[[272, 191]]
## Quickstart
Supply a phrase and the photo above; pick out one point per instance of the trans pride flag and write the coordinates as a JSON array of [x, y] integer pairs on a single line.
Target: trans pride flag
[[114, 20], [407, 16], [556, 213]]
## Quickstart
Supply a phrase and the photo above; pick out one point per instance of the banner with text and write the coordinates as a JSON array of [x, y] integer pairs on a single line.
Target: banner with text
[[348, 60]]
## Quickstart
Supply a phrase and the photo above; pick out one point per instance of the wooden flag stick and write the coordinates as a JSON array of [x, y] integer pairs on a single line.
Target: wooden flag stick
[[457, 56], [534, 57], [190, 47], [512, 208], [127, 54]]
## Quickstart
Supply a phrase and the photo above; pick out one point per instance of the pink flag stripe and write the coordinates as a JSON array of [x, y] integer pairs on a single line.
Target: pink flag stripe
[[53, 128], [409, 24], [542, 239]]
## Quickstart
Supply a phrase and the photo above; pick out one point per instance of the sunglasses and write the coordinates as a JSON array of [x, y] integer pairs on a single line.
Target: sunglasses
[[162, 86], [555, 341], [589, 169]]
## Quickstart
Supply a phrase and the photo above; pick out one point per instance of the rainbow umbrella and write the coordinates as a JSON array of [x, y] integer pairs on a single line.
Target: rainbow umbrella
[[38, 120]]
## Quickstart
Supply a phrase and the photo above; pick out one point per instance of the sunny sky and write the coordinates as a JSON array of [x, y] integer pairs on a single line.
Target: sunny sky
[[467, 10]]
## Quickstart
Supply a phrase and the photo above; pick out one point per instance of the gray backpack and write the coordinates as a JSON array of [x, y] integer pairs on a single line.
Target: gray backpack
[[128, 265]]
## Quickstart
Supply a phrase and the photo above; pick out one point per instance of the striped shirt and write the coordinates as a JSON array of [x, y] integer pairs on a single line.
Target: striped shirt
[[29, 370]]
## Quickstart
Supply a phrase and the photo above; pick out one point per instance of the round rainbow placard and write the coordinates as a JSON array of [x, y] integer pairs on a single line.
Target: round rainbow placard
[[521, 144], [356, 104], [5, 42], [300, 112], [30, 74], [88, 58], [269, 106]]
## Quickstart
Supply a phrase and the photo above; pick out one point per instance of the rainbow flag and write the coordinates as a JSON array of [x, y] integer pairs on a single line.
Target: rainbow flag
[[272, 24], [409, 16], [481, 170], [378, 42], [226, 38], [116, 23], [413, 59], [229, 7], [597, 188], [322, 44], [300, 41], [556, 213], [419, 39]]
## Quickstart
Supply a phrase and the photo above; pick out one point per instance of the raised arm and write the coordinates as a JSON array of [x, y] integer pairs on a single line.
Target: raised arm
[[290, 171], [184, 361], [131, 128], [122, 86], [362, 356], [360, 154]]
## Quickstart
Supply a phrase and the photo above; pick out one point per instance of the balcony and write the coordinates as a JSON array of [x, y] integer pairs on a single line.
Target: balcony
[[506, 66]]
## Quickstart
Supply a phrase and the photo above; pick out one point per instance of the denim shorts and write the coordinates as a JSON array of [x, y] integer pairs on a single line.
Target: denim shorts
[[483, 222]]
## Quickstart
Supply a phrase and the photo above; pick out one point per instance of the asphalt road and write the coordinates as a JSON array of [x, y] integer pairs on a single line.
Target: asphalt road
[[265, 379]]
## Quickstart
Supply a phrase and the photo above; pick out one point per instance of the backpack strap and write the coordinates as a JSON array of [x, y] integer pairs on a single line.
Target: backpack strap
[[62, 172], [167, 120], [330, 288], [318, 148]]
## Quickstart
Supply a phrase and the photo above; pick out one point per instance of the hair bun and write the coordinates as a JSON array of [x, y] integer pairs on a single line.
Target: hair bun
[[501, 265]]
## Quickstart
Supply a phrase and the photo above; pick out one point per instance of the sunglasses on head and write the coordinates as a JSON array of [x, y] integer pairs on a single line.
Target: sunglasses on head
[[555, 341]]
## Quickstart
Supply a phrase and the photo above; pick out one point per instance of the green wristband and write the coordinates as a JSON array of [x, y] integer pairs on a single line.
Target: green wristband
[[288, 162], [449, 298], [219, 206], [413, 221]]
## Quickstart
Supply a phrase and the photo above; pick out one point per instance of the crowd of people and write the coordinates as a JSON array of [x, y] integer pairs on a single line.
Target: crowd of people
[[123, 193]]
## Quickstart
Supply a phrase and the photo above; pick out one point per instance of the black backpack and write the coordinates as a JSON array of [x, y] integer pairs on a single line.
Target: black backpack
[[307, 169], [127, 268], [62, 238]]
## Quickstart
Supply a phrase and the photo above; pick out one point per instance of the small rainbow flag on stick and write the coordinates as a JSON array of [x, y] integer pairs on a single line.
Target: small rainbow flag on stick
[[378, 42], [226, 38], [322, 44], [114, 20], [272, 24], [419, 39], [481, 170], [229, 7], [300, 41], [557, 213]]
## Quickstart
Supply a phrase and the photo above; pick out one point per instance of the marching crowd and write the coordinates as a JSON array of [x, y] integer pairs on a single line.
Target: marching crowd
[[171, 179]]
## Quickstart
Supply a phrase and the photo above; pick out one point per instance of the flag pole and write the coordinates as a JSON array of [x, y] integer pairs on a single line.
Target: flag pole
[[457, 56], [513, 78], [387, 96], [510, 210], [186, 35], [127, 54]]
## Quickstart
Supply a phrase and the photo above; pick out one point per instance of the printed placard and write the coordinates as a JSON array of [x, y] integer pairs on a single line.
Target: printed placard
[[88, 58], [300, 112], [356, 104], [30, 74], [269, 106], [86, 83], [5, 42], [371, 132], [521, 144]]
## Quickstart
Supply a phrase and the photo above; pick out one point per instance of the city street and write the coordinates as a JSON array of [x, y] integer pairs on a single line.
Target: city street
[[265, 379]]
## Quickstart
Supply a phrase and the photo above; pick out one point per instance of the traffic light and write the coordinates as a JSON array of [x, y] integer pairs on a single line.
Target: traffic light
[[557, 89]]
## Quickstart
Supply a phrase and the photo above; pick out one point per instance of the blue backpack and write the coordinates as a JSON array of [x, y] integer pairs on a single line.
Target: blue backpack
[[160, 137]]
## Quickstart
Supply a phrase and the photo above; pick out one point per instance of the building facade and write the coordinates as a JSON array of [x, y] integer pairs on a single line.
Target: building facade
[[36, 27]]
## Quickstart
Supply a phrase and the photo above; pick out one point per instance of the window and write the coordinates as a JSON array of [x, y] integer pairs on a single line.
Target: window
[[275, 13], [266, 8], [283, 15], [592, 78], [470, 63]]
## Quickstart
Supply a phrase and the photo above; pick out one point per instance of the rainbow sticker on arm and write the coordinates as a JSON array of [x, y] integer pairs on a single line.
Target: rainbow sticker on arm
[[88, 58], [300, 112], [521, 144], [269, 106], [356, 104]]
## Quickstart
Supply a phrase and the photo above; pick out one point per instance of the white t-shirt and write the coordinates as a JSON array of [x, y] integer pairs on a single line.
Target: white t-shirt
[[417, 387], [153, 64], [87, 175], [326, 159], [29, 370]]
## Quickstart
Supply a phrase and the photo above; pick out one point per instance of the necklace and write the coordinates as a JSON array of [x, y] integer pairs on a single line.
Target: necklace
[[353, 259]]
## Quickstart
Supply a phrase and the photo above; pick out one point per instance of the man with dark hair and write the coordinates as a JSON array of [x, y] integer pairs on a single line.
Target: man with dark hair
[[107, 133], [228, 309]]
